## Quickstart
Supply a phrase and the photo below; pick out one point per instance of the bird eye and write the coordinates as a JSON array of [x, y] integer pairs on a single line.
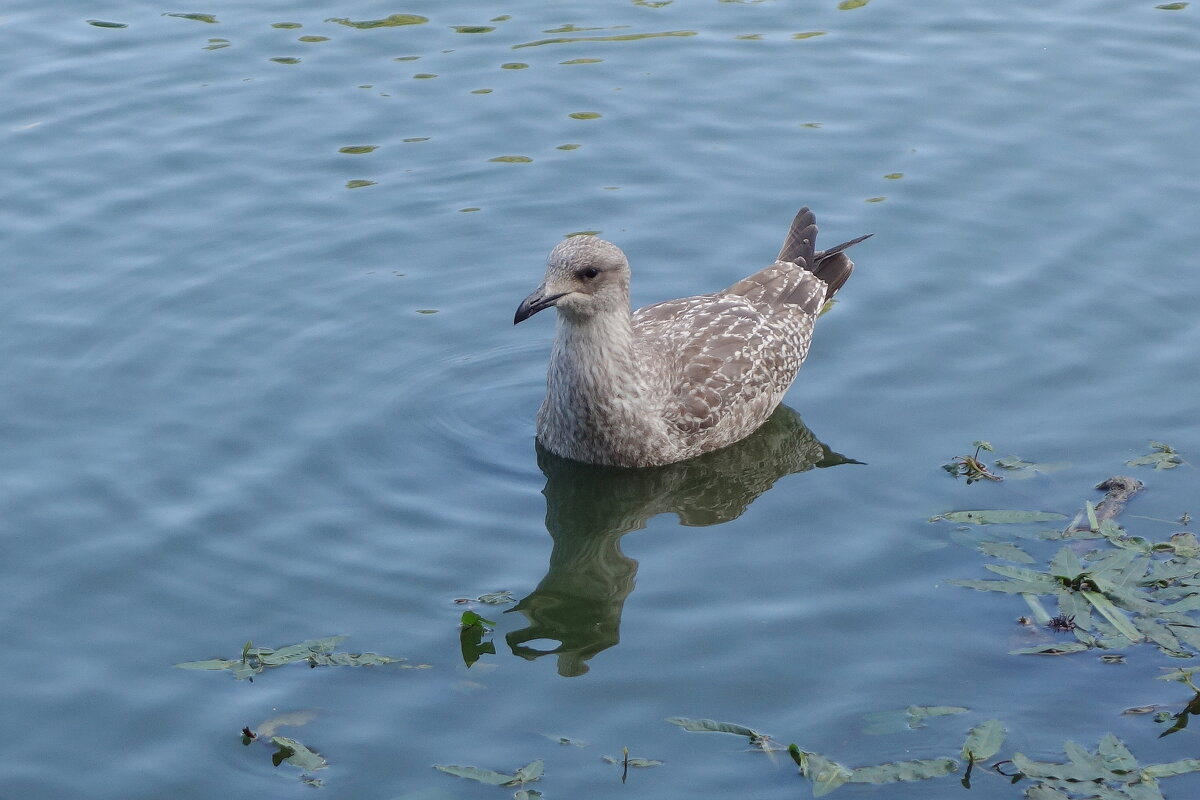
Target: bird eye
[[589, 273]]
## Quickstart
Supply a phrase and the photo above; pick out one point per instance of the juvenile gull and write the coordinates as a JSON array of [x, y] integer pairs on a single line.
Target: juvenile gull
[[676, 379]]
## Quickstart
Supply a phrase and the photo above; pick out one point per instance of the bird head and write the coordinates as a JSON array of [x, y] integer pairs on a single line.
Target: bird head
[[585, 276]]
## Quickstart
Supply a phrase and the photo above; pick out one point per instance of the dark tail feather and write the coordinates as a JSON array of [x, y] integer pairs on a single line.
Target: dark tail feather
[[798, 247], [834, 267]]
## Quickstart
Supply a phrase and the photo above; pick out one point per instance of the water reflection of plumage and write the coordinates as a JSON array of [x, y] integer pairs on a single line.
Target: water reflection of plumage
[[589, 508]]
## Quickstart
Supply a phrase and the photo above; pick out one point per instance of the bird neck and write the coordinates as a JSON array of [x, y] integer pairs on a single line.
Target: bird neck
[[595, 354]]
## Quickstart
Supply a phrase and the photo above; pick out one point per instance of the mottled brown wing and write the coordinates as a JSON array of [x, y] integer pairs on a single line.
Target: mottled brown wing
[[732, 355]]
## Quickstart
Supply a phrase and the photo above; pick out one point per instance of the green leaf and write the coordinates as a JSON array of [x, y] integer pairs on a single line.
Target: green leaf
[[1172, 768], [1116, 755], [896, 771], [1066, 564], [212, 663], [528, 773], [983, 741], [712, 726], [388, 22], [1035, 606], [1113, 615], [1162, 457], [825, 774], [472, 620], [297, 754], [1028, 469], [999, 517], [1063, 648], [475, 774], [1047, 770]]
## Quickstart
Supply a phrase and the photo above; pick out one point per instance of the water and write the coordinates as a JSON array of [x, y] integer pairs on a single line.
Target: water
[[240, 400]]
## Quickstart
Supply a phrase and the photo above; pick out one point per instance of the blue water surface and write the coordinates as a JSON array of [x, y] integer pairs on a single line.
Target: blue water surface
[[259, 382]]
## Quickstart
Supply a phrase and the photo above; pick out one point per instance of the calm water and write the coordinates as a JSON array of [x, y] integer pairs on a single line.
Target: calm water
[[245, 395]]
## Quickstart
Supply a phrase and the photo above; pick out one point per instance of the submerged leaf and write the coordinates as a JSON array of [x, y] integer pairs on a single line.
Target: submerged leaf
[[999, 517], [1007, 551], [1162, 457], [825, 773], [896, 771]]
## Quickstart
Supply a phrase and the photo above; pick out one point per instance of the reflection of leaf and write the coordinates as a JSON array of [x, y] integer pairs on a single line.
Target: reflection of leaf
[[999, 517], [297, 754], [267, 728], [1051, 649], [983, 741]]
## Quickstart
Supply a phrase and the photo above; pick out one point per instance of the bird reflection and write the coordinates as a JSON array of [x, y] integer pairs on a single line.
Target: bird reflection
[[589, 507]]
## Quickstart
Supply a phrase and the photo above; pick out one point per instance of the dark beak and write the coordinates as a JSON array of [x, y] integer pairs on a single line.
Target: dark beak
[[534, 303]]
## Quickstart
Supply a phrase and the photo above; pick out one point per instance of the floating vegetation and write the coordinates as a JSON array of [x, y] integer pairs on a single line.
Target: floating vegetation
[[514, 65], [970, 467], [512, 159], [216, 44], [894, 176], [623, 37], [568, 147], [469, 209], [412, 139], [358, 149], [211, 19], [848, 5], [394, 21], [527, 774], [827, 774], [311, 39], [582, 61], [760, 741], [314, 652], [359, 183], [472, 629], [874, 199], [472, 28], [481, 91], [285, 60], [297, 754], [1162, 457], [422, 76], [808, 34], [584, 115], [99, 23], [286, 25], [1110, 771], [1172, 6]]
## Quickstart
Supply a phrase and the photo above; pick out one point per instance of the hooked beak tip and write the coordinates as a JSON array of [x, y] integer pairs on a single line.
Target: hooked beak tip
[[533, 304]]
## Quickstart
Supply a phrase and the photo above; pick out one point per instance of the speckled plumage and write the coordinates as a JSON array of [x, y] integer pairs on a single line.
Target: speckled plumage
[[680, 378]]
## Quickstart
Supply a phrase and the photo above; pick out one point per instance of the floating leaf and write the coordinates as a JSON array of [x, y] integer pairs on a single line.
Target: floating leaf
[[1051, 649], [472, 28], [497, 598], [1007, 551], [475, 774], [983, 741], [528, 773], [393, 21], [999, 517], [358, 149], [297, 754], [848, 5], [1021, 468], [99, 23], [624, 37], [1116, 756], [826, 774], [1172, 768], [209, 18], [511, 160], [1113, 615], [1163, 455], [712, 726]]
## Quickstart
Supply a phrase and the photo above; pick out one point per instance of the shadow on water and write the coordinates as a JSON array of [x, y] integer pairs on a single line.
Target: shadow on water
[[589, 508]]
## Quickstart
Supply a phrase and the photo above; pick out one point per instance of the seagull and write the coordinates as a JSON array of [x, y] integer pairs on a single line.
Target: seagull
[[680, 378]]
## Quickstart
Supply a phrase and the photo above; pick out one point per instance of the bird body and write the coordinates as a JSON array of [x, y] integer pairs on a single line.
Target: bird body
[[680, 378]]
